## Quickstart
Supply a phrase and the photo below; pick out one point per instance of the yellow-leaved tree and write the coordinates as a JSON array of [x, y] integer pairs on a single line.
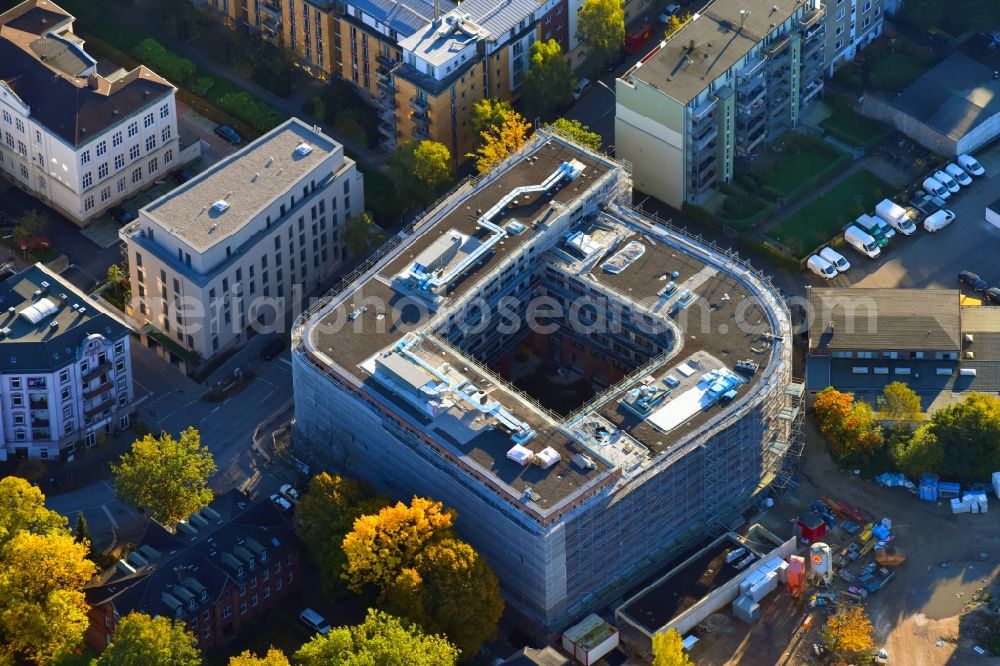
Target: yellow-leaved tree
[[499, 142], [668, 649], [848, 632]]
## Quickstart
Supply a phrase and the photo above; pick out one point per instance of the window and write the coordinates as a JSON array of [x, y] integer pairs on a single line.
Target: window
[[19, 124], [24, 172], [88, 179], [208, 632], [64, 376], [866, 7], [253, 600], [102, 148], [148, 120], [226, 612], [153, 166], [105, 194], [150, 142], [136, 175], [277, 584], [165, 134], [88, 203], [243, 608], [266, 575], [119, 162], [243, 589], [85, 157], [133, 152], [17, 400], [267, 592], [102, 171], [116, 139], [121, 185], [7, 117], [15, 382], [133, 129], [19, 419], [164, 111], [168, 157], [38, 136]]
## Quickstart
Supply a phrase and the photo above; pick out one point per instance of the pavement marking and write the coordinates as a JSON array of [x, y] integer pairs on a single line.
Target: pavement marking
[[216, 409], [267, 397], [107, 512], [285, 361]]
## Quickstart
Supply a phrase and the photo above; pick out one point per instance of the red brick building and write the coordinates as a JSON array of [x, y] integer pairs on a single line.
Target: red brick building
[[223, 566]]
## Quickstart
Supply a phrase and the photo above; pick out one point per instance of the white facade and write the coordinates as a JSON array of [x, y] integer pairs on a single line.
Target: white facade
[[59, 396], [283, 240]]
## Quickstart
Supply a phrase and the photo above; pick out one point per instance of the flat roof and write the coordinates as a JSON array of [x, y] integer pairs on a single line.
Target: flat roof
[[247, 181], [884, 319], [721, 35]]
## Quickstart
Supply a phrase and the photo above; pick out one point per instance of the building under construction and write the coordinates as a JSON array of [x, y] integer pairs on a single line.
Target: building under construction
[[589, 388]]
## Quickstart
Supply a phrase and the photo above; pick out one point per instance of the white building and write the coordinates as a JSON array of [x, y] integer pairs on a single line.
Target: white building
[[78, 141], [243, 241], [65, 368]]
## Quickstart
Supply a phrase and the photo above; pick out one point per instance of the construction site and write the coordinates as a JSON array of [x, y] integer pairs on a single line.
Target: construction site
[[441, 365]]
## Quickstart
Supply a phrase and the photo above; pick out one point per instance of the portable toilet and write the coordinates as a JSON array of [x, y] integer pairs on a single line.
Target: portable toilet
[[796, 571]]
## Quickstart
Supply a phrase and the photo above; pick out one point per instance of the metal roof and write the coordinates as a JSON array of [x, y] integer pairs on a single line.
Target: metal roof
[[403, 16]]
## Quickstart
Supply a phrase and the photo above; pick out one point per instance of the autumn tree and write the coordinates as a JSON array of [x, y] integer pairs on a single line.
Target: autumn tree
[[900, 403], [668, 649], [499, 143], [380, 639], [421, 571], [675, 23], [848, 426], [549, 82], [274, 657], [490, 113], [324, 517], [43, 612], [848, 632], [22, 509], [360, 233], [31, 223], [578, 133], [166, 476], [150, 641], [601, 26], [421, 169]]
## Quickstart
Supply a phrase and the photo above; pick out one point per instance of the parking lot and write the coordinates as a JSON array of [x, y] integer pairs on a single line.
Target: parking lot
[[934, 260]]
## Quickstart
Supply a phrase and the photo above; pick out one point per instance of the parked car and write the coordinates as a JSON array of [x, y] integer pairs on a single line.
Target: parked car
[[862, 242], [34, 244], [958, 173], [935, 188], [821, 267], [229, 134], [289, 492], [972, 280], [971, 165], [947, 181], [939, 220], [314, 621], [671, 9], [281, 502], [122, 216], [581, 85], [835, 258], [272, 349], [992, 295]]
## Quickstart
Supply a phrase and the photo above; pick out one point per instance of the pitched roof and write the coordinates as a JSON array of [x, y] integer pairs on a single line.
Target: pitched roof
[[884, 319]]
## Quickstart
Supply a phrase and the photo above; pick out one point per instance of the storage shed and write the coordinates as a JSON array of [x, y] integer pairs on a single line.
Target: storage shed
[[810, 527], [590, 640]]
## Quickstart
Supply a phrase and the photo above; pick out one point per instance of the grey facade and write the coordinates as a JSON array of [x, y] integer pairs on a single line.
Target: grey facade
[[569, 535]]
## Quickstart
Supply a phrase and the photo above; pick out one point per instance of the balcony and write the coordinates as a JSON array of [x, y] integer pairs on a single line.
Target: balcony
[[704, 112], [96, 371], [388, 115], [419, 105], [422, 134], [811, 90], [94, 392], [270, 10], [38, 403], [699, 142], [387, 129], [98, 408], [387, 87], [386, 101], [420, 119], [748, 72], [41, 434], [779, 45], [385, 60], [809, 21], [388, 144]]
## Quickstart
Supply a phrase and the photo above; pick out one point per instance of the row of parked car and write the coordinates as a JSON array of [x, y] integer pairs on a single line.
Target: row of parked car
[[870, 233]]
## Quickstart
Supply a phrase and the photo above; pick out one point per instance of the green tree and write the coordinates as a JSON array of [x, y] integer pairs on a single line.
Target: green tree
[[900, 403], [549, 82], [421, 169], [601, 26], [43, 612], [578, 133], [168, 65], [489, 114], [668, 649], [274, 657], [922, 452], [167, 476], [22, 509], [360, 232], [380, 639], [150, 641], [325, 516], [81, 534]]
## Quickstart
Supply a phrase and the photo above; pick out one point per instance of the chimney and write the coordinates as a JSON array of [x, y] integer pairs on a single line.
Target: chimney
[[437, 9], [93, 81]]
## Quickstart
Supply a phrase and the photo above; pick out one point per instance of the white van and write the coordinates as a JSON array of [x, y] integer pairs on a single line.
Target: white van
[[315, 621], [947, 181], [821, 267], [939, 220], [896, 216], [862, 242], [835, 258], [934, 188]]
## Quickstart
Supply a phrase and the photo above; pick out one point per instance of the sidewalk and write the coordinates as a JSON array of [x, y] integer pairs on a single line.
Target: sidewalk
[[136, 16]]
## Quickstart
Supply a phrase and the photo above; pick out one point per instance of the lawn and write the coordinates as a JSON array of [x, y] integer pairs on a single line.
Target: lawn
[[825, 217], [853, 128], [793, 161], [895, 71]]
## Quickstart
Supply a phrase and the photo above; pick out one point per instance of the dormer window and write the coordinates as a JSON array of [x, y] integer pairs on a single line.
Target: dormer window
[[204, 595], [263, 556], [253, 563], [239, 572]]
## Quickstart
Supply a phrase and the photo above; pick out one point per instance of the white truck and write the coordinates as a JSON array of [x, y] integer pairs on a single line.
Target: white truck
[[897, 216], [862, 242]]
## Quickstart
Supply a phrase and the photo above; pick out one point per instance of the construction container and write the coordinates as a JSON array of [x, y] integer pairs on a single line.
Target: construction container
[[889, 556], [590, 640], [948, 490], [928, 488], [796, 572]]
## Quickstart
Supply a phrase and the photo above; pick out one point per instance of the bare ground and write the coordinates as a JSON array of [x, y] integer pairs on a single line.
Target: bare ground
[[916, 617]]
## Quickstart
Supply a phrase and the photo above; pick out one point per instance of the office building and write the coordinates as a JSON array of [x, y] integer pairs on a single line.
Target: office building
[[218, 571], [241, 242], [588, 388], [76, 140], [735, 76], [65, 369]]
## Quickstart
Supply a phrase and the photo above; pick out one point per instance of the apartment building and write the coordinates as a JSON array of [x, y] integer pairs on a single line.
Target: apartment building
[[850, 25], [78, 141], [242, 242], [221, 569], [736, 75], [65, 368], [262, 17]]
